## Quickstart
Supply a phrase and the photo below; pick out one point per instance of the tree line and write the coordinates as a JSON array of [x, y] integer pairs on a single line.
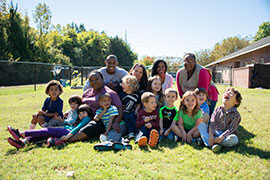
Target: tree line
[[71, 44]]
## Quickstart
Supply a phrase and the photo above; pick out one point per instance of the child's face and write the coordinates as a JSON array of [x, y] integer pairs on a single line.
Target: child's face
[[190, 102], [126, 87], [138, 72], [73, 106], [170, 97], [151, 105], [229, 98], [105, 102], [201, 98], [156, 85], [54, 91], [82, 115]]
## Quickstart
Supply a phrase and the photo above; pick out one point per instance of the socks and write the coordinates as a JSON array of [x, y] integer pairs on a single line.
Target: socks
[[32, 126]]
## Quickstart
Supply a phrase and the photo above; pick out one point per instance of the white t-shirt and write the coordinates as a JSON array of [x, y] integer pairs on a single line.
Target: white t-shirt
[[116, 77]]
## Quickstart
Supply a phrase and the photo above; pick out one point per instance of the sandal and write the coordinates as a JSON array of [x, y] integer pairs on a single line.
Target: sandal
[[153, 138]]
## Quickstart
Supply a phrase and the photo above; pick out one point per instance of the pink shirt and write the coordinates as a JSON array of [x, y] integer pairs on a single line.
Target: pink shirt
[[204, 81], [90, 97]]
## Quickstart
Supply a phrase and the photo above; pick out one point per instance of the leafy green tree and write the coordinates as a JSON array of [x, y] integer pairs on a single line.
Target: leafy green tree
[[204, 56], [42, 17], [264, 31], [228, 46], [122, 50]]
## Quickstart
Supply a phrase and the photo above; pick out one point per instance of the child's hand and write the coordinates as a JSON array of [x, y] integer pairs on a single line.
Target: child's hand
[[184, 138], [64, 138], [167, 132], [147, 119], [148, 125], [40, 113], [58, 118], [218, 140], [189, 138], [161, 131]]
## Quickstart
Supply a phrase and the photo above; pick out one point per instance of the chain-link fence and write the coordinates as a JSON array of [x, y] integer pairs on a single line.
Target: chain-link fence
[[21, 73]]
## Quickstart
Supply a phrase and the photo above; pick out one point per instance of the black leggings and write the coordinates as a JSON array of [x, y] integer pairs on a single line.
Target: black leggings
[[93, 129]]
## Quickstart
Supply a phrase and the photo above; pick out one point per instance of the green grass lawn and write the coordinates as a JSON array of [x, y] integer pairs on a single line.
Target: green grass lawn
[[250, 159]]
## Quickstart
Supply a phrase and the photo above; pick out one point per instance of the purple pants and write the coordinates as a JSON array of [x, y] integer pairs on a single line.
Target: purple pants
[[44, 133]]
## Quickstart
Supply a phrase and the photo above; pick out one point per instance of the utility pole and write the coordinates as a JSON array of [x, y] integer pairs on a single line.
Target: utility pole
[[125, 35]]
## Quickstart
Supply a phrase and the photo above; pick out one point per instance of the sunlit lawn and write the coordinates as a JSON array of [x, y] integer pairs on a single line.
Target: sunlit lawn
[[248, 160]]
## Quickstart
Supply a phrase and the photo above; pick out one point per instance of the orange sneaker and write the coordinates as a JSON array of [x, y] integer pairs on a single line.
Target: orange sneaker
[[142, 141], [153, 138]]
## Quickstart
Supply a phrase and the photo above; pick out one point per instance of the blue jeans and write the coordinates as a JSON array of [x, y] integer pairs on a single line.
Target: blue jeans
[[229, 141], [170, 136], [130, 121]]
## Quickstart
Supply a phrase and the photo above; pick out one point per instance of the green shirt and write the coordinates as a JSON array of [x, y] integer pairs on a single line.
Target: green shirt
[[189, 122]]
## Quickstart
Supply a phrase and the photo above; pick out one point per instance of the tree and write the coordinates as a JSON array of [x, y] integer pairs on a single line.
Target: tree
[[203, 56], [228, 46], [264, 31], [42, 17]]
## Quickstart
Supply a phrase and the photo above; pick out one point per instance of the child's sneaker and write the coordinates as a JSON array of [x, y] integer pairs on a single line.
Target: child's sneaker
[[54, 142], [131, 136], [153, 138], [15, 133], [216, 148], [121, 146], [17, 144], [105, 146], [142, 141]]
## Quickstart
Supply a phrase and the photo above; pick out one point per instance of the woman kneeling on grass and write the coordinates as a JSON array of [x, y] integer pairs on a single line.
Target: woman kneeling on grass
[[62, 134]]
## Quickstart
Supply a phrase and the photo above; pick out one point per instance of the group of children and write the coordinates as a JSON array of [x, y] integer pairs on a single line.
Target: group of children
[[149, 117]]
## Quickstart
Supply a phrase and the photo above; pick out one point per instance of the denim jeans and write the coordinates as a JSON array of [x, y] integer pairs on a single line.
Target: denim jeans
[[229, 141], [130, 121], [170, 136]]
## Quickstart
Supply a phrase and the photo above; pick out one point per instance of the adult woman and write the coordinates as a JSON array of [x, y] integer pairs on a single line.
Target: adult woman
[[95, 128], [139, 71], [160, 69], [193, 76]]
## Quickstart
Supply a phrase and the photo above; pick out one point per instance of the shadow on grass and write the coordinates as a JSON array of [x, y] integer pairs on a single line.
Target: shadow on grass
[[245, 138], [168, 143]]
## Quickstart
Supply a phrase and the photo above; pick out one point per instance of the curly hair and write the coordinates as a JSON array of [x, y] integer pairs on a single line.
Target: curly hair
[[131, 81], [155, 66], [54, 83]]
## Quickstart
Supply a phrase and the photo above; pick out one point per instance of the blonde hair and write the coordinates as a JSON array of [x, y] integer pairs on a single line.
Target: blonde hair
[[146, 96], [131, 81], [183, 106]]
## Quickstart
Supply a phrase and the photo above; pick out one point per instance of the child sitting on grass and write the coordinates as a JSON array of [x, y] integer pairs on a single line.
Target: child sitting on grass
[[155, 86], [131, 103], [59, 135], [148, 121], [223, 123], [202, 96], [70, 116], [167, 114], [52, 107], [107, 113], [190, 116]]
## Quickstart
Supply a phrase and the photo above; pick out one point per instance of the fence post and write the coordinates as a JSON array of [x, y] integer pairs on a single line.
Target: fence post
[[35, 76], [81, 75], [70, 75]]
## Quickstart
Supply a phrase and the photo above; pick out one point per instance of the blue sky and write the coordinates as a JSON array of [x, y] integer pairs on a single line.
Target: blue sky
[[160, 27]]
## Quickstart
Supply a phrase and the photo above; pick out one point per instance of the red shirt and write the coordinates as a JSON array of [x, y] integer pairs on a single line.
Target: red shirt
[[142, 114]]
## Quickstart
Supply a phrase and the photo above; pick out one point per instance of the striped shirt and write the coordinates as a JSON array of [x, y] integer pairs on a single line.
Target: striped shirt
[[111, 111], [225, 121]]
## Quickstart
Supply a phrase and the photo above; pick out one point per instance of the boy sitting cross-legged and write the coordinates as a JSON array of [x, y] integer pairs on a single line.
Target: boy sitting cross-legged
[[223, 123], [148, 121]]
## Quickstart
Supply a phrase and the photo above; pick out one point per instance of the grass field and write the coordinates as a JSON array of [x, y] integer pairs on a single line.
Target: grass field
[[250, 159]]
